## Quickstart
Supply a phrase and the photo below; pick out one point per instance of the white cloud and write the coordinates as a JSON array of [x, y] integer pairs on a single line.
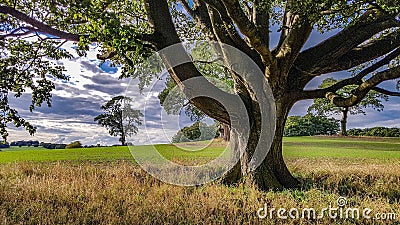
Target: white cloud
[[75, 104]]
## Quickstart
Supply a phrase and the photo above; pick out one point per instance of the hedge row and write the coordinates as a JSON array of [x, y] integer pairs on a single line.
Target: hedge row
[[375, 131]]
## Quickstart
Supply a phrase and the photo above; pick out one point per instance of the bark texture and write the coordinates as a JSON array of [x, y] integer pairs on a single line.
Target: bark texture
[[273, 172], [225, 132]]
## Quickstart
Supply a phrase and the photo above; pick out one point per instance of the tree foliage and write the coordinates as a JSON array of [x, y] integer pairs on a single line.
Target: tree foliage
[[376, 132], [75, 144], [198, 131], [174, 101], [119, 118], [310, 125], [126, 34], [27, 66], [323, 106]]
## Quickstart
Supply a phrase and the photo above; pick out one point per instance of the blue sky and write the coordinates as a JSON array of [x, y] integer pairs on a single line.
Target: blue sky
[[77, 102]]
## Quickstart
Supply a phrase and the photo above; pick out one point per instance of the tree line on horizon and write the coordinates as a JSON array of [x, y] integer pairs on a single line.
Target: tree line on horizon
[[307, 125]]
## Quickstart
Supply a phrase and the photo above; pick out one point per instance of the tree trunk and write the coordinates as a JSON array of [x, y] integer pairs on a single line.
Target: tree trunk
[[273, 172], [225, 132], [122, 139], [343, 121]]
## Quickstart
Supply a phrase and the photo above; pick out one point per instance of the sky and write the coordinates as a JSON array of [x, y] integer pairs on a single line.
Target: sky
[[76, 102]]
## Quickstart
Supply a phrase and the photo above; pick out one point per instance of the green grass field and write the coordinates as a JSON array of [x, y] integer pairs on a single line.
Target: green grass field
[[293, 147]]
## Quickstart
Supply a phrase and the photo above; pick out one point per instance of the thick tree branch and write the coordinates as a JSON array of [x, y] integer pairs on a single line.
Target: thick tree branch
[[201, 16], [362, 90], [223, 24], [261, 19], [386, 92], [241, 87], [228, 36], [187, 7], [293, 37], [357, 79], [365, 53], [225, 31], [40, 26], [250, 31], [161, 22], [319, 59], [360, 55]]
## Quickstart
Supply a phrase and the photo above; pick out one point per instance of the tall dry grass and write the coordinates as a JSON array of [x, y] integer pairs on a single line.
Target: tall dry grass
[[121, 193]]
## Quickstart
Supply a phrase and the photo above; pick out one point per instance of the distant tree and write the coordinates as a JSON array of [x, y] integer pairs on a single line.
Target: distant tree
[[53, 146], [199, 131], [323, 106], [75, 144], [21, 143], [60, 146], [4, 144], [119, 118], [310, 125], [35, 144]]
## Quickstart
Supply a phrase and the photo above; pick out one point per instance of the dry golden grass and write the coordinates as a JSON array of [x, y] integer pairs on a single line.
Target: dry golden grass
[[121, 193]]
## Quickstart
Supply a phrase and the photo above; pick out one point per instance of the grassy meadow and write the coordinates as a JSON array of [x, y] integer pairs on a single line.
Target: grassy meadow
[[293, 147], [105, 186]]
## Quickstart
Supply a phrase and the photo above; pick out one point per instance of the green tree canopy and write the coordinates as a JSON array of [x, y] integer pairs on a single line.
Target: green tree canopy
[[119, 118], [198, 131], [310, 125], [75, 144], [376, 131]]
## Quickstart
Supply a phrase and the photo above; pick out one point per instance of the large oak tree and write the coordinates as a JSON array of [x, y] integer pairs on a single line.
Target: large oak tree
[[366, 37]]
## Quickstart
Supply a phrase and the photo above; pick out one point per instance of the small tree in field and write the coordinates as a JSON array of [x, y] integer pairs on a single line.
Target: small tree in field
[[325, 107], [119, 118]]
